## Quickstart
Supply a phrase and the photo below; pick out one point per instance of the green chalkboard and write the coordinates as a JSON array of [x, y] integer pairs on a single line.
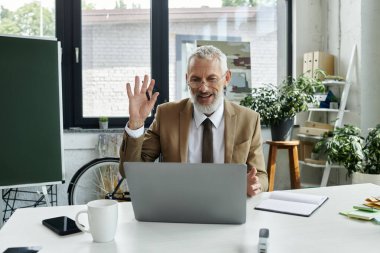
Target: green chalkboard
[[30, 112]]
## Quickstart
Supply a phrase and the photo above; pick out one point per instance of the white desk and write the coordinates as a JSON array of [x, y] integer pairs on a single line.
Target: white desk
[[324, 231]]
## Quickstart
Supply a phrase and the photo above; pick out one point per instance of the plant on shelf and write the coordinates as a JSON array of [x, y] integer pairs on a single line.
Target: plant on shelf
[[103, 119], [345, 146], [103, 122], [278, 104]]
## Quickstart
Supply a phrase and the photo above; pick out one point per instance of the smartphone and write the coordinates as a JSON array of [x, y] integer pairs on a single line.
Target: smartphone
[[34, 249], [61, 225]]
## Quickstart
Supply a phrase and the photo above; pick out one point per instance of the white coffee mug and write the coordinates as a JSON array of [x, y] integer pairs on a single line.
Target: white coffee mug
[[102, 219]]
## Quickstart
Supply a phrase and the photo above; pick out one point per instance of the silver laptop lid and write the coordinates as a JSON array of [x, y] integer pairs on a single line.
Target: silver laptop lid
[[188, 193]]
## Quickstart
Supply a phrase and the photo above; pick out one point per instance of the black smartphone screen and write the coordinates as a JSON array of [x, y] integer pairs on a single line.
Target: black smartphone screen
[[61, 225]]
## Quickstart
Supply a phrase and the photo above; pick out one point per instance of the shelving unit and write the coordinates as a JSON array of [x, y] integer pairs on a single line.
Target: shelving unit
[[339, 118]]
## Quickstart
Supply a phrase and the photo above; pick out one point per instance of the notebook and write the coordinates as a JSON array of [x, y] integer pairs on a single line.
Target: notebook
[[292, 203], [188, 193]]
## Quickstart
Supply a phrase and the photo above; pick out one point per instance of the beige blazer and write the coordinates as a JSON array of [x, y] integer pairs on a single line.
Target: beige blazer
[[169, 133]]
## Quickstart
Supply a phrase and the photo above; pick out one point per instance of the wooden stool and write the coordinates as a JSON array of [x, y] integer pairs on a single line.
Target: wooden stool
[[291, 146]]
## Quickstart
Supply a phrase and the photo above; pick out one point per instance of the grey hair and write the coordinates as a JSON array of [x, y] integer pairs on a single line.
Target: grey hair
[[209, 52]]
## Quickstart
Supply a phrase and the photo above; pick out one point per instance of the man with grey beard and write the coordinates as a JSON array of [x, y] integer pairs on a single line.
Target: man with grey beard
[[176, 132]]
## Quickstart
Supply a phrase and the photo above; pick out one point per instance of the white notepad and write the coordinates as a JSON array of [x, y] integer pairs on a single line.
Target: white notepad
[[292, 203]]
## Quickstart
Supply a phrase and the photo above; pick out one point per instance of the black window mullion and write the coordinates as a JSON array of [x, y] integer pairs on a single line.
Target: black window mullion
[[64, 35], [79, 120], [160, 48], [289, 38]]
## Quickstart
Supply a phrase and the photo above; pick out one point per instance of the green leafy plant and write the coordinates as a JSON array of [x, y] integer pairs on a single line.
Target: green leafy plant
[[103, 119], [285, 101], [372, 151], [343, 146]]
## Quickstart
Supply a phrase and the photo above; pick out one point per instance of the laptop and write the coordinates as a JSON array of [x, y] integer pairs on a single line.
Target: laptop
[[188, 192]]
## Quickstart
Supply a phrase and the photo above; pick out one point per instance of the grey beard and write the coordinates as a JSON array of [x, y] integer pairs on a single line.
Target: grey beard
[[208, 109]]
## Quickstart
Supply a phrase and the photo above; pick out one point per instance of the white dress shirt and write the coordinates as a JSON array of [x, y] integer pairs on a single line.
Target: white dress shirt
[[196, 134]]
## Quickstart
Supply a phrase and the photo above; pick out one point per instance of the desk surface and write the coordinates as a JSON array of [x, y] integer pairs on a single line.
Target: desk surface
[[324, 231]]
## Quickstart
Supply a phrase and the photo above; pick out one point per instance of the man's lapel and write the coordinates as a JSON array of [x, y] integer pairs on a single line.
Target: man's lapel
[[230, 122], [185, 118]]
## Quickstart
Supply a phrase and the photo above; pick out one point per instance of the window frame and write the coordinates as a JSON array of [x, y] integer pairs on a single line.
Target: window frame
[[68, 31]]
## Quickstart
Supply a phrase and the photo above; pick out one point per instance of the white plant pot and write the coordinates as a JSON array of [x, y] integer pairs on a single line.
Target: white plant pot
[[360, 178], [103, 125]]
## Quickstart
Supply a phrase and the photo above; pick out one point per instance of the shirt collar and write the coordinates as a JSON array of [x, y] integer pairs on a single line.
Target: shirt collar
[[215, 118]]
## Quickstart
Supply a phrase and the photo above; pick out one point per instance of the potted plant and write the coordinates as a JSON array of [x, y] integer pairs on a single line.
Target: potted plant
[[277, 105], [361, 157], [103, 122], [343, 146], [370, 172], [372, 151]]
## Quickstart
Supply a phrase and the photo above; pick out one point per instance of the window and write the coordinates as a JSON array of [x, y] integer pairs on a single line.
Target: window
[[246, 31], [106, 43], [27, 18], [115, 48]]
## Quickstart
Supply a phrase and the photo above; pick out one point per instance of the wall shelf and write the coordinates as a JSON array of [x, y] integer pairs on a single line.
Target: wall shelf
[[333, 83], [310, 137], [325, 110]]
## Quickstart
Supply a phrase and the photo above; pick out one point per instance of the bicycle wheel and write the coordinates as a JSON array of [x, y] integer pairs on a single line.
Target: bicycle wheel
[[98, 179]]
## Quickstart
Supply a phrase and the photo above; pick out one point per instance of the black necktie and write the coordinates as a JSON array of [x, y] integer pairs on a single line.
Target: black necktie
[[207, 154]]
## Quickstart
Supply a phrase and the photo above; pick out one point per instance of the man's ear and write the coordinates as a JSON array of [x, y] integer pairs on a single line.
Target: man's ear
[[228, 78]]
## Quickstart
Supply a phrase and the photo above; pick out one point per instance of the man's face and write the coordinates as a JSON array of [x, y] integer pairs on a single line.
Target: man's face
[[206, 83]]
